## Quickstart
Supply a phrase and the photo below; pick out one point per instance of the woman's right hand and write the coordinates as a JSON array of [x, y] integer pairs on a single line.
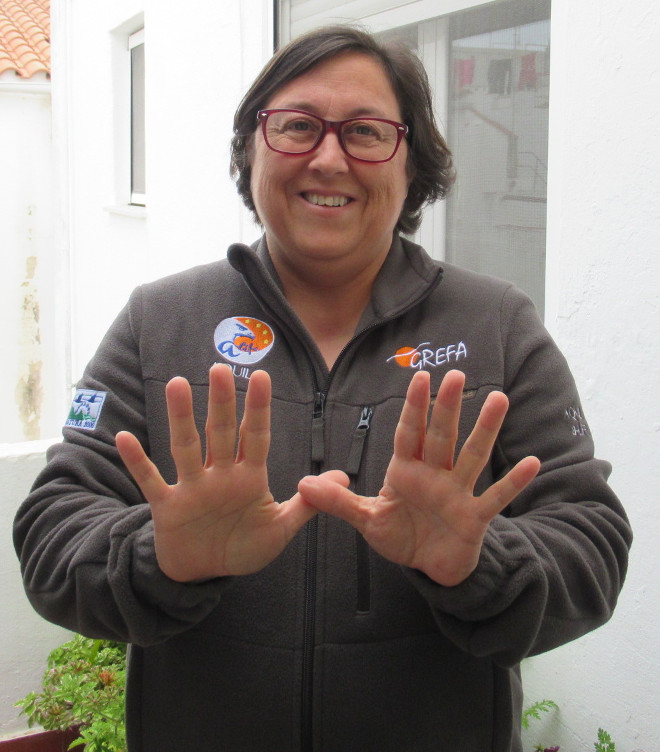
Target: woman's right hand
[[220, 517]]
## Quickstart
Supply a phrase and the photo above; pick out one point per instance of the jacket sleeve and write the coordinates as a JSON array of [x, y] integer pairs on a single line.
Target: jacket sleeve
[[84, 535], [552, 565]]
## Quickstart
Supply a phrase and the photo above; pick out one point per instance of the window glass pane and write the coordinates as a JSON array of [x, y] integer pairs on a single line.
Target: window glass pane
[[138, 169], [498, 132]]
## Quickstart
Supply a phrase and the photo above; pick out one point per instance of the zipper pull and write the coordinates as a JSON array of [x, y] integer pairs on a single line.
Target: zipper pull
[[359, 439], [318, 443]]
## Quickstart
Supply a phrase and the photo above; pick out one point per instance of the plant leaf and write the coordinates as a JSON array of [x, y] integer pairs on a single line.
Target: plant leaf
[[535, 710]]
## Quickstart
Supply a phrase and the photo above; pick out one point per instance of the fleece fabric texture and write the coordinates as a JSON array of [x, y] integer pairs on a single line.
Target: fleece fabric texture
[[331, 647]]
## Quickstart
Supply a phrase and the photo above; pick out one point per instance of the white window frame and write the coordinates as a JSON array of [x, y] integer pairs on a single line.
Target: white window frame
[[138, 198], [377, 15]]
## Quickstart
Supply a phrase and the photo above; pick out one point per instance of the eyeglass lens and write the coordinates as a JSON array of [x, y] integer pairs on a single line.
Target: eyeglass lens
[[363, 138]]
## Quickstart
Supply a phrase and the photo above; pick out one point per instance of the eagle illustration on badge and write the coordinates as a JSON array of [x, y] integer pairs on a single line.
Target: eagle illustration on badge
[[243, 340]]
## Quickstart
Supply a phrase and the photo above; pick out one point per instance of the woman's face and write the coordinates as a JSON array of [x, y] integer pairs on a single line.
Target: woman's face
[[286, 189]]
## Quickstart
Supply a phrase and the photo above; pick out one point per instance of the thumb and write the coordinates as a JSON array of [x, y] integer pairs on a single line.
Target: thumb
[[295, 512], [329, 493], [336, 476]]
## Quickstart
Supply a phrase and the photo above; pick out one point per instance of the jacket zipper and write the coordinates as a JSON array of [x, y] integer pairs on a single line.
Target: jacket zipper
[[318, 444], [357, 444], [309, 624], [308, 636], [363, 566]]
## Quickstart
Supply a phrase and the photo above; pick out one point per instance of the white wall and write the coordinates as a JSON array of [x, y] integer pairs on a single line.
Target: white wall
[[603, 306], [25, 639], [602, 301], [27, 264]]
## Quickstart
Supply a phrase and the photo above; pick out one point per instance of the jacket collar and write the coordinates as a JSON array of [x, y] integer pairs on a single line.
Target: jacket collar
[[406, 277]]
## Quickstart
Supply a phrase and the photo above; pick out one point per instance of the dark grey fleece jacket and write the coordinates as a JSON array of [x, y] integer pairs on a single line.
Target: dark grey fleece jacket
[[330, 648]]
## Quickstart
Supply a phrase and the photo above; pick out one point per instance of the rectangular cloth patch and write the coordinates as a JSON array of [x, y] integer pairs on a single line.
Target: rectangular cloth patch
[[85, 409]]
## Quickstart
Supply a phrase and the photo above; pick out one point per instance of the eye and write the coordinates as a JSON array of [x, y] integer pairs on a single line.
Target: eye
[[364, 129], [299, 125], [367, 130], [296, 124]]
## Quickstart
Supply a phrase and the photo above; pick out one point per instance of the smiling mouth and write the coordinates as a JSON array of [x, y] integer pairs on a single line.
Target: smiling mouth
[[318, 200]]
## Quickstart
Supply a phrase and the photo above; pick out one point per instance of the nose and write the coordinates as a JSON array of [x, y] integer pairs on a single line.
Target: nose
[[329, 156]]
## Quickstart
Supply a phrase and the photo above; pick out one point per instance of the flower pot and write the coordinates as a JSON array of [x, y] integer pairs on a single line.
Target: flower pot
[[44, 741]]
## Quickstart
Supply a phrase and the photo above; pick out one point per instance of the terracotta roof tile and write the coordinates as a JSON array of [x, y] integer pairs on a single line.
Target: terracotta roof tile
[[25, 36]]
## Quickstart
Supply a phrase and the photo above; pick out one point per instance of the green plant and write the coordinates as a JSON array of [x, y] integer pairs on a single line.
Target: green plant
[[535, 710], [604, 743], [83, 687]]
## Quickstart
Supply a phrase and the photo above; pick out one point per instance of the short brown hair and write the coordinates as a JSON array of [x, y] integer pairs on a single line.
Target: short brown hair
[[430, 166]]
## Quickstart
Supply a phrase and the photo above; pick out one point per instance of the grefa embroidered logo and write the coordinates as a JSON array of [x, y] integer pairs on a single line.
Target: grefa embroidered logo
[[423, 356], [243, 340]]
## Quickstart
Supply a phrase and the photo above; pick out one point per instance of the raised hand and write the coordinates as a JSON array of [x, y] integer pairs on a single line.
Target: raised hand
[[220, 517], [426, 515]]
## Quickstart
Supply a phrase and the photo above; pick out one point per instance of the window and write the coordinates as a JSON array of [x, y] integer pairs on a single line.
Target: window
[[489, 67], [498, 131], [138, 161]]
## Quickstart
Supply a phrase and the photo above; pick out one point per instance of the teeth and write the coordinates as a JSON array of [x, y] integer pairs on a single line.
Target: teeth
[[314, 198]]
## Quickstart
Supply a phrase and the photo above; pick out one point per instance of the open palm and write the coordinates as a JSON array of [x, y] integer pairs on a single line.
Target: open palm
[[426, 515], [220, 517]]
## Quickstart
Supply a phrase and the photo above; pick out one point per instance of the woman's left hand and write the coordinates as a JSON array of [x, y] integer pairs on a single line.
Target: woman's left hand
[[426, 516]]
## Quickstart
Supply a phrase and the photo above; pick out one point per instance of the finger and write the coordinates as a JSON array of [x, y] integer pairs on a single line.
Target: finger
[[221, 419], [411, 428], [141, 468], [442, 432], [295, 512], [502, 493], [254, 434], [329, 494], [337, 476], [185, 443], [477, 449]]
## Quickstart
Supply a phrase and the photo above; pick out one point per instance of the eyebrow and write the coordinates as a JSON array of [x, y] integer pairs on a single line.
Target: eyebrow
[[355, 113]]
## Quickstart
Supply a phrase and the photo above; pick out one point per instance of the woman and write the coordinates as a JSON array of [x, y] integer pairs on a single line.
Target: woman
[[396, 618]]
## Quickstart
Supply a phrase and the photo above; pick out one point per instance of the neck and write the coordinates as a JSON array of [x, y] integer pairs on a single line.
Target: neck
[[328, 302]]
